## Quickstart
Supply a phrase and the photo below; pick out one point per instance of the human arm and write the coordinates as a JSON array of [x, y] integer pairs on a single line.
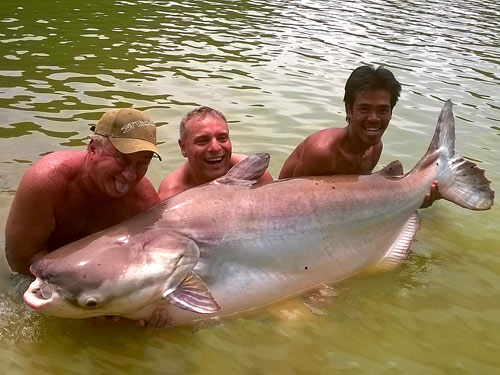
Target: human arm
[[148, 196], [160, 318], [30, 223], [317, 155], [266, 177], [308, 160]]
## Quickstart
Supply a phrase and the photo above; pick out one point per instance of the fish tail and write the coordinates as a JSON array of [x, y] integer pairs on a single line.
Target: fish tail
[[460, 180]]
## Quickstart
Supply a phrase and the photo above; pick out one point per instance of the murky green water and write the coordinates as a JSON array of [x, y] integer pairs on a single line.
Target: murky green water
[[277, 70]]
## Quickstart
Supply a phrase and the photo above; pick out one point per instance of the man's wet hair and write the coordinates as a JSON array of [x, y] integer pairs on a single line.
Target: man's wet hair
[[199, 113], [367, 78]]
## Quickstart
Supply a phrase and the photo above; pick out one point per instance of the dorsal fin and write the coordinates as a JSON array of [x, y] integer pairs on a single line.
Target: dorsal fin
[[246, 171], [401, 247], [393, 169]]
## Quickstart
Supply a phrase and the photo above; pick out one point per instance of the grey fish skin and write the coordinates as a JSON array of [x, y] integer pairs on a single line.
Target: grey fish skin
[[231, 246]]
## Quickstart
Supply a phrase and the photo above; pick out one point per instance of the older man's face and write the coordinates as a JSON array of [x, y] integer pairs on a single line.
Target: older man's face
[[207, 147], [117, 173]]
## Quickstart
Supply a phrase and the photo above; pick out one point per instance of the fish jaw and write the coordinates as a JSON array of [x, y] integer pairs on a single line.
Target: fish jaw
[[35, 298], [65, 289], [43, 298], [47, 299]]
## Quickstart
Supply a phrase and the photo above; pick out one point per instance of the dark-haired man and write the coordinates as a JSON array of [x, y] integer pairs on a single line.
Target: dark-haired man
[[370, 96], [204, 141]]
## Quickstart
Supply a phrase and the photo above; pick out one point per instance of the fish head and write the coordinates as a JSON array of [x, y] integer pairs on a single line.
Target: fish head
[[108, 276], [50, 299], [78, 288]]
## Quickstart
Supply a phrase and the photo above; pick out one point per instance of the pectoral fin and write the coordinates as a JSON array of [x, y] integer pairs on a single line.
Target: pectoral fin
[[177, 254], [193, 295]]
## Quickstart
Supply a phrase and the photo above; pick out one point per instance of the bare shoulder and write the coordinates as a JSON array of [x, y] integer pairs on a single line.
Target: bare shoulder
[[236, 158], [315, 155], [59, 162], [322, 144], [53, 170], [43, 188], [173, 183], [32, 216], [146, 194]]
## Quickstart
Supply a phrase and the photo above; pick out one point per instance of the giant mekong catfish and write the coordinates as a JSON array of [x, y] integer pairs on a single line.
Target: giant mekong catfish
[[232, 245]]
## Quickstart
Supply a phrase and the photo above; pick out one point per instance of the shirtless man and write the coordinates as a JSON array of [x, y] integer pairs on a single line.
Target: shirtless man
[[370, 96], [204, 141], [67, 195]]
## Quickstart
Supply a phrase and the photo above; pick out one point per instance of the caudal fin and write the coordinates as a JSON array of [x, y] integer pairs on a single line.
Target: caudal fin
[[460, 181]]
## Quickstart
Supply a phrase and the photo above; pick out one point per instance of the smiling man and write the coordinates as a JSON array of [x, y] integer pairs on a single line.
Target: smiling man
[[370, 96], [68, 195], [204, 141]]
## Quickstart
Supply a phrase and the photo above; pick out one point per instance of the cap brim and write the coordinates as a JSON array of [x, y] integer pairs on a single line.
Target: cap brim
[[129, 146]]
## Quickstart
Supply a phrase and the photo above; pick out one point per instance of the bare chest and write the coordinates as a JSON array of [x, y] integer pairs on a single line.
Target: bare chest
[[77, 218], [347, 164]]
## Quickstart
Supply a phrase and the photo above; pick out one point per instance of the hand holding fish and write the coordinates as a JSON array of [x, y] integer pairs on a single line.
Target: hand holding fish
[[160, 318], [231, 246], [432, 196]]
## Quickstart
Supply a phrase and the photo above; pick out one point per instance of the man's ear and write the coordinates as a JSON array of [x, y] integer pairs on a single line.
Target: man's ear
[[348, 112], [91, 147], [182, 145]]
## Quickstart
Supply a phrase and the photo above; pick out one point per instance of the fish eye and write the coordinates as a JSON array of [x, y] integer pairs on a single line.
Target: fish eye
[[91, 302]]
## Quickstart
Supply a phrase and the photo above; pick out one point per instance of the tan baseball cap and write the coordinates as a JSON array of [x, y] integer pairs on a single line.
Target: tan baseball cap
[[128, 130]]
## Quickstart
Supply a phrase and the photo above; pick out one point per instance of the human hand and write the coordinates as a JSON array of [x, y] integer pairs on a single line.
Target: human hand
[[160, 318], [431, 196]]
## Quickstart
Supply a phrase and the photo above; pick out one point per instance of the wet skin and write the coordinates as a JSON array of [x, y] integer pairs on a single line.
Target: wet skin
[[207, 147], [354, 149], [234, 247], [68, 195], [368, 118], [116, 173]]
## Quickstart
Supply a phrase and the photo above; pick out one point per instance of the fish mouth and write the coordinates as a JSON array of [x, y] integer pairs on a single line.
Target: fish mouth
[[38, 295]]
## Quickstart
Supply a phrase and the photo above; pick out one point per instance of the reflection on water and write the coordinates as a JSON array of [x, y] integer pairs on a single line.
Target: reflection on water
[[277, 70]]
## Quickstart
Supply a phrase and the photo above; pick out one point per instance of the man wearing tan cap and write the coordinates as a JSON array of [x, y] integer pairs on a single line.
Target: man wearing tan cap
[[204, 141], [67, 195]]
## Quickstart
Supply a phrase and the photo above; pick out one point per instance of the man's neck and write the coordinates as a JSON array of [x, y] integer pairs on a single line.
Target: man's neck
[[350, 144], [191, 179]]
